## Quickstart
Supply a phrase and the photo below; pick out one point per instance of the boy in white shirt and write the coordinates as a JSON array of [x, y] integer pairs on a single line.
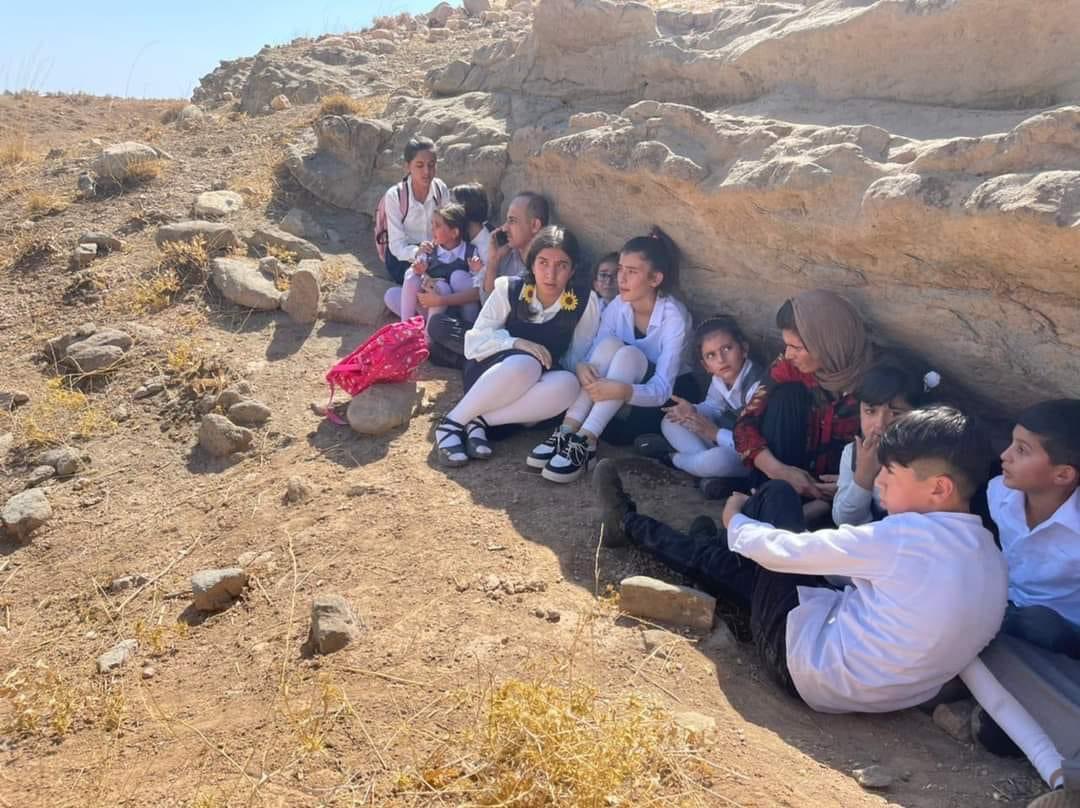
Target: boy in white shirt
[[1036, 508], [927, 588]]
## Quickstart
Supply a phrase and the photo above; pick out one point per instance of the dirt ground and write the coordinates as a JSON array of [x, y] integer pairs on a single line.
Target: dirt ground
[[233, 713]]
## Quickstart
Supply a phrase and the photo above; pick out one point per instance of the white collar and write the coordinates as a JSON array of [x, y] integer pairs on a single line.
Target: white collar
[[451, 255], [737, 386]]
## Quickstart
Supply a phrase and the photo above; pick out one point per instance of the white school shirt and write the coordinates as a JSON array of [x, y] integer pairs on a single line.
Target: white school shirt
[[482, 242], [851, 505], [405, 235], [927, 594], [1044, 561], [720, 399], [662, 344], [488, 336]]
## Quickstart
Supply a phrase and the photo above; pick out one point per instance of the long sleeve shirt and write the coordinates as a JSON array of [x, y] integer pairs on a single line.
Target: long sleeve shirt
[[927, 594], [488, 336], [405, 235], [834, 422], [1044, 561], [663, 344], [853, 504], [721, 402]]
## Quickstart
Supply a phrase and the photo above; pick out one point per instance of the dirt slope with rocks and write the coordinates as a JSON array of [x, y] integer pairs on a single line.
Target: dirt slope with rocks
[[212, 596]]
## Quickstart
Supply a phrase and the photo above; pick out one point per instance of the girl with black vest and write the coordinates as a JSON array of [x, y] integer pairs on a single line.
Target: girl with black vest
[[697, 438], [523, 348]]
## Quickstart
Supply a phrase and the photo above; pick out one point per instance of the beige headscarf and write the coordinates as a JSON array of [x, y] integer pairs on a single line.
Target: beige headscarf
[[832, 330]]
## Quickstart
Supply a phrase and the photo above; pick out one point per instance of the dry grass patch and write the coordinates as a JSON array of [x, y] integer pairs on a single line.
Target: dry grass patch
[[172, 112], [26, 252], [15, 151], [60, 414], [42, 703], [143, 171], [44, 203]]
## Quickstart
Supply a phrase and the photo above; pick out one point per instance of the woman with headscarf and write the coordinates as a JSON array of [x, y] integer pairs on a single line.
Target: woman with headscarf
[[796, 426]]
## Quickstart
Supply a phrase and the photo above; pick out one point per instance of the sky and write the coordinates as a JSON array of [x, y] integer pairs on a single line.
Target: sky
[[160, 50]]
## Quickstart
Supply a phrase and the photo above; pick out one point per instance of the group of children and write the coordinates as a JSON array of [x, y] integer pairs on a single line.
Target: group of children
[[874, 614]]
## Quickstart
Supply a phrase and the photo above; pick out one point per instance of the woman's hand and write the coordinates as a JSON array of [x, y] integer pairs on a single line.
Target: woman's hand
[[586, 374], [806, 485], [608, 390], [429, 299], [535, 350], [866, 462]]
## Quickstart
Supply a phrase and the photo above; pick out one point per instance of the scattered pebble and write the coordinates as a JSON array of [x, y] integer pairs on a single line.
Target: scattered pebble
[[149, 672], [874, 777], [117, 655]]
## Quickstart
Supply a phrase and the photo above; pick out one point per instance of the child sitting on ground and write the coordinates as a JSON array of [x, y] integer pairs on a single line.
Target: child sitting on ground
[[928, 584], [697, 438], [606, 279], [442, 268], [887, 391], [1036, 508]]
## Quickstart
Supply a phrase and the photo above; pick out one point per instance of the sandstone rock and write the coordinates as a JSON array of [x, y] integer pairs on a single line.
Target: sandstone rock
[[115, 162], [215, 590], [149, 388], [257, 560], [220, 437], [297, 490], [105, 242], [474, 8], [439, 34], [191, 117], [300, 223], [217, 204], [232, 394], [117, 655], [40, 474], [218, 236], [302, 300], [700, 729], [274, 237], [149, 672], [358, 300], [438, 16], [89, 356], [955, 719], [25, 512], [659, 642], [126, 582], [279, 103], [332, 624], [64, 460], [240, 281], [82, 256], [55, 348], [249, 413], [653, 599], [9, 400], [876, 777], [383, 407]]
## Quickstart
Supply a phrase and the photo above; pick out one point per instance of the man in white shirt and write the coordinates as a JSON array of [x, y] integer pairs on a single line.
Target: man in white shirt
[[1036, 507], [927, 588]]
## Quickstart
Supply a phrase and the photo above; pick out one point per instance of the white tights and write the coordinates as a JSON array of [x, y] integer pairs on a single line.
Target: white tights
[[701, 459], [517, 391], [616, 361], [402, 299]]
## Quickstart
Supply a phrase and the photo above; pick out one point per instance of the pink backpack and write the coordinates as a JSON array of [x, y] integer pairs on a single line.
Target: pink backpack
[[382, 229], [391, 354]]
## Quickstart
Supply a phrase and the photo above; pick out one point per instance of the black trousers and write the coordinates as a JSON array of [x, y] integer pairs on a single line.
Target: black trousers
[[446, 338], [768, 595], [784, 425], [394, 268], [621, 431], [1043, 627]]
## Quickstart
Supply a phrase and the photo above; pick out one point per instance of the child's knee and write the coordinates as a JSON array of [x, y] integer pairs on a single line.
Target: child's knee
[[461, 281], [629, 362], [392, 299], [604, 352], [520, 368]]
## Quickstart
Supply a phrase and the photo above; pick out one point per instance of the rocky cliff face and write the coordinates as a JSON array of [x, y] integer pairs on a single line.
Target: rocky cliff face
[[922, 156]]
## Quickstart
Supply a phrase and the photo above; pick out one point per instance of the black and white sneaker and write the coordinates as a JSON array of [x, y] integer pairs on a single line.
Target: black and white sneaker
[[571, 462], [543, 452]]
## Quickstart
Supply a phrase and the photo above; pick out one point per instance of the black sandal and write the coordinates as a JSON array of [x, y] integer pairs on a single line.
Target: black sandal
[[450, 446], [476, 445]]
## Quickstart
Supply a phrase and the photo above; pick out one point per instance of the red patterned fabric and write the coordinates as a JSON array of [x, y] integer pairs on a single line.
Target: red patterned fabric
[[391, 354]]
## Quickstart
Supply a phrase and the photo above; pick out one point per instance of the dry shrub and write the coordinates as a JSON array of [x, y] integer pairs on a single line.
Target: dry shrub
[[332, 273], [43, 203], [142, 171], [26, 252], [60, 413], [186, 258], [282, 254], [150, 295], [313, 718], [15, 150], [172, 112], [338, 104], [371, 106], [42, 703], [538, 744]]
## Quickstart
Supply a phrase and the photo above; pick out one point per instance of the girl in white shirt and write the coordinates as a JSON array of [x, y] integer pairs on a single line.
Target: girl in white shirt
[[635, 359], [444, 271], [887, 391], [697, 438], [409, 204], [529, 328]]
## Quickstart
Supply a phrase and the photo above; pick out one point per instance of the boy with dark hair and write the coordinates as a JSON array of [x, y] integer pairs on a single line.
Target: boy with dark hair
[[927, 588], [1036, 508]]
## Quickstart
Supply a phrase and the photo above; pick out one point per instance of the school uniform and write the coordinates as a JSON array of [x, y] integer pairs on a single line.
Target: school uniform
[[663, 344], [853, 504], [404, 235], [1044, 569]]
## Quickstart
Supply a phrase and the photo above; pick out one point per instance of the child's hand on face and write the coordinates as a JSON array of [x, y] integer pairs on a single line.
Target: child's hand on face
[[866, 462], [427, 247]]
